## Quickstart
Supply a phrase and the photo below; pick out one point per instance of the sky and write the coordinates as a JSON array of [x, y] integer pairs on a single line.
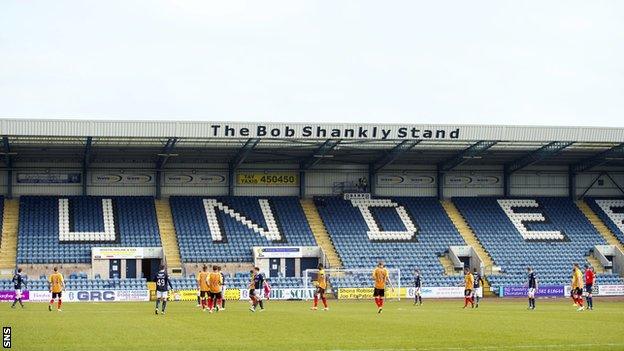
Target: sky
[[558, 62]]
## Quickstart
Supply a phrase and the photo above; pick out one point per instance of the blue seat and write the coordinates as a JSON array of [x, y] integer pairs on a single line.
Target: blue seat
[[551, 259], [38, 237], [348, 231], [194, 234]]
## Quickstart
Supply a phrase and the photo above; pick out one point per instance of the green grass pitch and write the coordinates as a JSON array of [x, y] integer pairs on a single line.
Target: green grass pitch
[[502, 324]]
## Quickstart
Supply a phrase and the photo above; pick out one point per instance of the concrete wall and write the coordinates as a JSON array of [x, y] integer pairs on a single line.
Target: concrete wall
[[33, 271], [212, 180]]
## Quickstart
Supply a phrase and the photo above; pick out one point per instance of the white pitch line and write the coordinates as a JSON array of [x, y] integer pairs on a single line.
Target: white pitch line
[[506, 347]]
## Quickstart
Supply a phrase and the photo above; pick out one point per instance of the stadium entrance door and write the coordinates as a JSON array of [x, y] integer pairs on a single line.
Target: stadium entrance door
[[150, 267], [131, 269]]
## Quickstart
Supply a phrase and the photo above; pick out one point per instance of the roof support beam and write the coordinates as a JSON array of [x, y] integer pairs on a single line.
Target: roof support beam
[[318, 154], [238, 160], [166, 153], [473, 151], [394, 154], [245, 151], [302, 183], [543, 153], [439, 183], [8, 160], [599, 159], [160, 163], [86, 159], [372, 180], [571, 184]]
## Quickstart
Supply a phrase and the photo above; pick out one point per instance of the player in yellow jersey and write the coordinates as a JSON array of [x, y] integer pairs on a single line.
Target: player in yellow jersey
[[577, 286], [56, 284], [202, 285], [321, 285], [215, 280], [380, 278], [253, 300], [468, 286]]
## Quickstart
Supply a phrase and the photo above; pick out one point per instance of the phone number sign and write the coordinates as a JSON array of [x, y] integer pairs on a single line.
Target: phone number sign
[[267, 179]]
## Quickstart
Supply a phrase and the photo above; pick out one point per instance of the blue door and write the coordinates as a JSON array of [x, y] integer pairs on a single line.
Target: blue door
[[290, 267], [131, 269], [274, 267], [308, 263], [114, 269]]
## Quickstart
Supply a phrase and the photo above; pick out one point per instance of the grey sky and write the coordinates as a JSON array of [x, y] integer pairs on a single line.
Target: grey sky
[[499, 62]]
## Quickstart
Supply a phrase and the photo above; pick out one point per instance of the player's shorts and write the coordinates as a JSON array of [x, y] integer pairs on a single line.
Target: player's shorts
[[578, 292], [214, 295], [379, 292], [161, 294], [478, 292], [204, 293], [56, 294], [467, 292], [589, 288], [416, 291], [259, 293], [531, 293], [252, 293], [18, 293], [320, 291]]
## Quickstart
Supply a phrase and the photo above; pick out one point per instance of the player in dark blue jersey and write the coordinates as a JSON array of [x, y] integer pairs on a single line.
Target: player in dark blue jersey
[[532, 285], [162, 288], [18, 283], [418, 283], [258, 285], [477, 292]]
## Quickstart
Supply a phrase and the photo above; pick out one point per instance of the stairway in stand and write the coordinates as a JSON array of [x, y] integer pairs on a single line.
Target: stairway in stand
[[593, 261], [449, 267], [320, 233], [471, 239], [168, 237], [602, 228], [8, 240]]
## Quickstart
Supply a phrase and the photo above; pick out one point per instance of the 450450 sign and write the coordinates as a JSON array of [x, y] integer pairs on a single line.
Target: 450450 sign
[[267, 179]]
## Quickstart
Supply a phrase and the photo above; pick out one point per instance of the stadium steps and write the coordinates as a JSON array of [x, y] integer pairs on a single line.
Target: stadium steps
[[600, 226], [487, 291], [449, 268], [168, 237], [8, 245], [469, 236], [593, 261], [320, 233]]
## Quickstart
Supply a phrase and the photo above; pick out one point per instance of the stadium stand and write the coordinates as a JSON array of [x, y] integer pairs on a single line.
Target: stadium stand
[[602, 206], [201, 242], [466, 232], [435, 233], [551, 258], [194, 228], [41, 240], [320, 232]]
